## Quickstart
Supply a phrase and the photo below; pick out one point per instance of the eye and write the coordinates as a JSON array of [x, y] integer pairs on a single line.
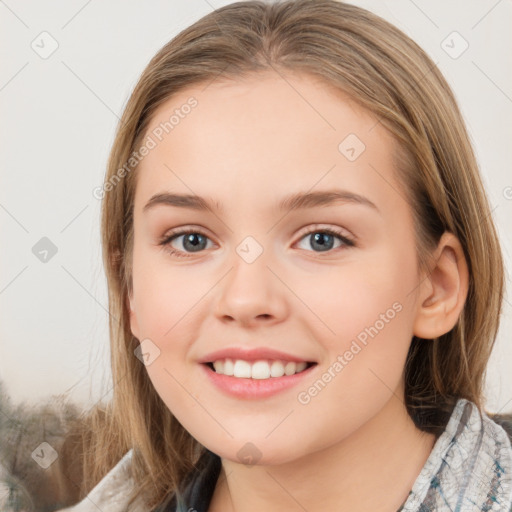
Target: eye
[[193, 241], [323, 239]]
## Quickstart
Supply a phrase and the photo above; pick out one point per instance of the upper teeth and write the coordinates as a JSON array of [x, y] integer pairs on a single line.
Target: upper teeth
[[261, 369]]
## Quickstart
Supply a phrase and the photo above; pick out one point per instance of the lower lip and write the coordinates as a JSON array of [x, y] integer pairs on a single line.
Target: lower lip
[[254, 388]]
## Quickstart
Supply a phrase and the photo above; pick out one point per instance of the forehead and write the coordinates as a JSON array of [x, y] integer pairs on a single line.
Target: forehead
[[285, 131]]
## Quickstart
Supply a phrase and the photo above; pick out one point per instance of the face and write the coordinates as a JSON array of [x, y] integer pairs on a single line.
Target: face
[[325, 280]]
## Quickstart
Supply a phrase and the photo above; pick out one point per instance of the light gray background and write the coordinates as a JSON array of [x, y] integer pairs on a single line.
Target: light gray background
[[58, 117]]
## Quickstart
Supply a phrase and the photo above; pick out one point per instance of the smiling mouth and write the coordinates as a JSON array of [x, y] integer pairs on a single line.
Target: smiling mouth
[[258, 370]]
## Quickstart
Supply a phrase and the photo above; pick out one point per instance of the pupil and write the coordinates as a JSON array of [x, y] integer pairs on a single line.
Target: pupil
[[191, 238], [319, 238]]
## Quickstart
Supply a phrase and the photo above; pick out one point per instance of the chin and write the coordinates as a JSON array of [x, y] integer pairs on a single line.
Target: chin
[[257, 453]]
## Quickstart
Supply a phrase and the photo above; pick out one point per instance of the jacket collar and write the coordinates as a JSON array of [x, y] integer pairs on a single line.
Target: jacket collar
[[469, 468]]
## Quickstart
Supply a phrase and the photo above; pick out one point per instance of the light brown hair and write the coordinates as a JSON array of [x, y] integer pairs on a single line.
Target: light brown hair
[[384, 71]]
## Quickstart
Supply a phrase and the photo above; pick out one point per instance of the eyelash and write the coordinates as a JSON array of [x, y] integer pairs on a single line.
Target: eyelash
[[168, 238]]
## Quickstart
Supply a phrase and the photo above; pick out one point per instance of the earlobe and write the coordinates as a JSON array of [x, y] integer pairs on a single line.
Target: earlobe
[[444, 290]]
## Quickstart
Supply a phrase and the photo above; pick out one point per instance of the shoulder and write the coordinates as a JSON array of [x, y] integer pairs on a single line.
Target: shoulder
[[469, 465], [504, 421], [112, 493]]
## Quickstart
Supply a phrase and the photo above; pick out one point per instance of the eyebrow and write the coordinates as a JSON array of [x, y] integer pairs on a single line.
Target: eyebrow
[[297, 201]]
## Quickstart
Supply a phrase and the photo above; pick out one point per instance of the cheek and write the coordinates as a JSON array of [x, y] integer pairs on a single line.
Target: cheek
[[164, 295], [363, 367], [164, 299], [367, 291], [367, 315]]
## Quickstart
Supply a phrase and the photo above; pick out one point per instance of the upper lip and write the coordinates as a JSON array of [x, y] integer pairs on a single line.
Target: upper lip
[[250, 354]]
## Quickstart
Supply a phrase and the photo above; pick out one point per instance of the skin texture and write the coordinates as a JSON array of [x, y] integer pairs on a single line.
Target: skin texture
[[247, 144]]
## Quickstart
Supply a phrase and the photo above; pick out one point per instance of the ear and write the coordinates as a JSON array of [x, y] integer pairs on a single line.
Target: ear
[[134, 324], [443, 291]]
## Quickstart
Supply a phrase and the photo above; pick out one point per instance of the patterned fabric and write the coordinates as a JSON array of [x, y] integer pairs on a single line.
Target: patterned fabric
[[468, 470]]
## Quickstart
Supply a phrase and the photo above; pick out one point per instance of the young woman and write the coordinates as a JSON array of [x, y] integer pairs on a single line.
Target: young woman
[[304, 277]]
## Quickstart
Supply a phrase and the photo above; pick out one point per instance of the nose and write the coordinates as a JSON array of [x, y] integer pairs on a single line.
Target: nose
[[251, 294]]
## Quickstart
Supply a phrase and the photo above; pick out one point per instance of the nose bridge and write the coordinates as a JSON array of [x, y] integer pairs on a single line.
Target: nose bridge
[[251, 290]]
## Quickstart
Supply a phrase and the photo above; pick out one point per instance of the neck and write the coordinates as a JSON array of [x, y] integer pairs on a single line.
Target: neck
[[372, 469]]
